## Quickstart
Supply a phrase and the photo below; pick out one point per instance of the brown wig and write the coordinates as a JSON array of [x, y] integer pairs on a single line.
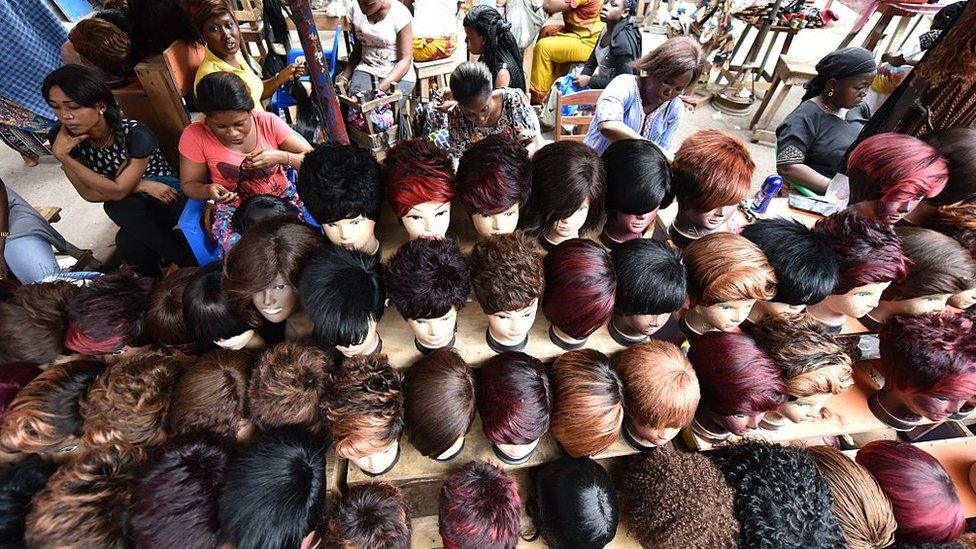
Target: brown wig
[[939, 265], [957, 221], [589, 401], [711, 170], [165, 323], [365, 406], [374, 515], [288, 386], [564, 174], [958, 147], [107, 315], [439, 391], [33, 322], [102, 43], [212, 395], [660, 386], [727, 267], [506, 272]]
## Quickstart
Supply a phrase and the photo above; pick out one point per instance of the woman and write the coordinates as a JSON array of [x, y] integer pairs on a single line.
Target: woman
[[812, 140], [236, 152], [383, 50], [647, 105], [116, 161], [617, 48], [488, 34], [559, 46]]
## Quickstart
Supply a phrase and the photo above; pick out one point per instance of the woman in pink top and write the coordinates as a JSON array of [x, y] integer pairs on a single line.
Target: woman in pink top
[[235, 152]]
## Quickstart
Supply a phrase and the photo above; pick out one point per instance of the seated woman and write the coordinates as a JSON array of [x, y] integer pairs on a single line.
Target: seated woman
[[116, 161], [488, 35], [812, 140], [235, 152], [646, 105], [382, 55], [560, 46], [619, 45], [436, 32]]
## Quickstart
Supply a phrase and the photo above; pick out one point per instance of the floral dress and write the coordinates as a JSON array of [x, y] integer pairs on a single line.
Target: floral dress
[[518, 121]]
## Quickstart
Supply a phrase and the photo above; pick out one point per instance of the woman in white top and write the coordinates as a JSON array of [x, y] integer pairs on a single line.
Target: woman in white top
[[383, 48]]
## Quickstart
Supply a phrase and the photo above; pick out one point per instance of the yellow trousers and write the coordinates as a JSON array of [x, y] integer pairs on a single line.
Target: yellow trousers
[[553, 56]]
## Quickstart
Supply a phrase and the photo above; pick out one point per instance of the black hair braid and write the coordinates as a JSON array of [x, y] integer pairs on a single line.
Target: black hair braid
[[500, 46]]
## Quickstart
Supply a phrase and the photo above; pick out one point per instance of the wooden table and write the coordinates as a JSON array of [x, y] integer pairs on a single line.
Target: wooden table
[[888, 10]]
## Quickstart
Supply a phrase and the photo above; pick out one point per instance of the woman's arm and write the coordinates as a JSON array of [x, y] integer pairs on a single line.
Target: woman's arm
[[4, 228], [355, 56], [291, 152], [83, 190], [615, 130], [81, 176], [804, 175], [404, 59], [193, 179], [272, 84]]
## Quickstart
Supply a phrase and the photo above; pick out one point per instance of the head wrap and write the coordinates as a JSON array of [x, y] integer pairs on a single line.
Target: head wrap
[[840, 64]]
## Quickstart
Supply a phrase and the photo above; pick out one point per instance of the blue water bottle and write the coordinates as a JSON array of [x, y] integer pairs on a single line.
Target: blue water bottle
[[769, 189]]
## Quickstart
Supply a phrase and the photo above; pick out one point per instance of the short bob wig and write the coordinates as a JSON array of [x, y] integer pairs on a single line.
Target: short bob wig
[[580, 287], [806, 267], [102, 43], [372, 515], [939, 265], [573, 504], [340, 182], [957, 221], [288, 387], [735, 375], [725, 267], [165, 323], [917, 171], [33, 322], [494, 175], [84, 86], [514, 398], [365, 406], [660, 386], [342, 291], [930, 354], [273, 491], [507, 272], [427, 278], [638, 177], [223, 92], [108, 314], [19, 483], [415, 172], [211, 396], [589, 402], [923, 498], [868, 251], [479, 507], [439, 394], [564, 174], [209, 314], [711, 170], [651, 280], [958, 147]]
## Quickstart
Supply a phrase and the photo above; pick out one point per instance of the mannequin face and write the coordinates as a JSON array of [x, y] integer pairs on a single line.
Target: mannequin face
[[366, 347], [632, 223], [434, 333], [380, 461], [765, 309], [236, 343], [887, 212], [808, 408], [726, 316], [916, 305], [352, 234], [932, 407], [564, 229], [963, 300], [641, 325], [517, 451], [453, 450], [740, 424], [125, 352], [503, 222], [649, 436], [245, 431], [858, 301], [711, 219], [427, 220], [276, 302], [511, 327]]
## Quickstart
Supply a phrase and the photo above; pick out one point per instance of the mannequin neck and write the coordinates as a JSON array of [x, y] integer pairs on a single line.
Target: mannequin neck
[[624, 333], [889, 406], [372, 246], [553, 237], [825, 315], [618, 234], [298, 325], [884, 311], [696, 323], [685, 226], [707, 428], [564, 341], [500, 347]]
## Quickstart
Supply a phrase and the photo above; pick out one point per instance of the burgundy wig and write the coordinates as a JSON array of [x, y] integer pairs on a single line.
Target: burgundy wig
[[417, 171], [479, 507], [580, 287], [13, 378], [108, 314], [933, 353], [894, 167], [868, 251], [514, 398], [923, 498], [736, 376], [494, 175]]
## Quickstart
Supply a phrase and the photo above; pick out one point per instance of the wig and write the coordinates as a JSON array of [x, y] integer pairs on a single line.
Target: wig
[[259, 207], [165, 323], [868, 251], [958, 147], [711, 170], [660, 386], [939, 265], [273, 492], [564, 174], [102, 43], [175, 500], [735, 375], [33, 322], [678, 499], [342, 291], [288, 387], [805, 265], [427, 278], [415, 172], [439, 394], [13, 378], [514, 398], [107, 315], [373, 515], [932, 354], [860, 506], [918, 170], [580, 287], [211, 396], [479, 507], [781, 500], [19, 483], [957, 221], [507, 272], [340, 182], [638, 177], [923, 498], [674, 57], [209, 314], [651, 279], [726, 267], [806, 353], [573, 504], [589, 402], [494, 175], [365, 406]]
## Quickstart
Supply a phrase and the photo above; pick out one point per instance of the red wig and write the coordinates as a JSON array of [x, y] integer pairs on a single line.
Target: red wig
[[934, 354], [735, 375], [894, 167], [869, 251], [711, 170], [514, 398], [580, 287], [479, 507], [494, 175], [925, 503], [108, 314], [417, 171]]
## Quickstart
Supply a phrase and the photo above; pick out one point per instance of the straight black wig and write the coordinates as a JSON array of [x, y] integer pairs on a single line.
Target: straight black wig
[[340, 182], [574, 504], [85, 87], [638, 177], [651, 279], [806, 267], [209, 316]]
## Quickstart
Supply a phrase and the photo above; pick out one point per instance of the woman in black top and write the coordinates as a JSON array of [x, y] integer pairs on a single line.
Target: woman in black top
[[619, 45]]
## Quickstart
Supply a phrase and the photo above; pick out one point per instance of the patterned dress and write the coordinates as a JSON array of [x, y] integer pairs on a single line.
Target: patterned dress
[[518, 121]]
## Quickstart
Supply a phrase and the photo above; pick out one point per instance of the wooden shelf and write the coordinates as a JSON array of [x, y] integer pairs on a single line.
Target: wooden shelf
[[425, 535]]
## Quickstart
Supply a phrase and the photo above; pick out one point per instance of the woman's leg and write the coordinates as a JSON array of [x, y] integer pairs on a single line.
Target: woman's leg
[[361, 82], [148, 224], [30, 259], [549, 59]]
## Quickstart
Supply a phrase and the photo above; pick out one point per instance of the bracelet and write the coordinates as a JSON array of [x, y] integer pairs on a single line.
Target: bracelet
[[287, 159], [4, 234]]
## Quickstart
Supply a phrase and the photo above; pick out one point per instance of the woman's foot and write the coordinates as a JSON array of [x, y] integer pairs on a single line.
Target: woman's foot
[[29, 160]]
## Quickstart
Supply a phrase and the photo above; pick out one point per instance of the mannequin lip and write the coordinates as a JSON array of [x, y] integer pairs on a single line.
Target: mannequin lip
[[348, 245], [272, 310]]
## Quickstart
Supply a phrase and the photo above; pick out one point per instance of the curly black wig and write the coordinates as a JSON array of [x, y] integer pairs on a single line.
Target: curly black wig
[[425, 278], [340, 182]]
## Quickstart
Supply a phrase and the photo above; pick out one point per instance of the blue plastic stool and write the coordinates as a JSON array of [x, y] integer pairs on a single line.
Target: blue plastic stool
[[282, 99], [204, 249]]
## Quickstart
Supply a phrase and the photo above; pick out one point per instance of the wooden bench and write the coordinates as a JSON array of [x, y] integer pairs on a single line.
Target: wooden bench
[[788, 73]]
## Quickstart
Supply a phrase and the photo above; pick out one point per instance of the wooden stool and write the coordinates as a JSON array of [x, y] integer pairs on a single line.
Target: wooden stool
[[435, 73], [789, 73], [83, 258]]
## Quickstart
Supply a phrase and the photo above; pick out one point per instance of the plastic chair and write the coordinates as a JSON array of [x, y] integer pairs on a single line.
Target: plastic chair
[[204, 249], [281, 99]]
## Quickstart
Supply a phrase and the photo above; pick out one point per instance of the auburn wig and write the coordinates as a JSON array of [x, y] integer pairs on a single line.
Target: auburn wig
[[102, 44], [165, 323], [711, 170], [875, 173], [726, 267], [211, 396], [958, 147], [939, 265], [514, 398], [107, 315], [494, 175], [415, 172], [19, 483], [589, 402], [33, 322], [340, 182], [365, 406], [439, 409], [564, 174], [932, 354], [580, 287], [288, 387], [651, 280], [868, 251], [660, 386], [735, 375], [958, 221], [426, 278], [638, 177], [507, 272], [372, 515], [13, 378], [209, 314], [805, 265], [806, 353], [479, 507], [573, 504]]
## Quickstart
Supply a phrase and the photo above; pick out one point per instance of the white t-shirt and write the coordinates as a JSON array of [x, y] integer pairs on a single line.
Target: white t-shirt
[[435, 18], [379, 41]]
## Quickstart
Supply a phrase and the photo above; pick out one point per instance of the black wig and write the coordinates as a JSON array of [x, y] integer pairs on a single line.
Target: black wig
[[19, 482], [209, 316], [425, 278], [638, 177], [651, 279], [574, 504], [805, 264], [340, 182]]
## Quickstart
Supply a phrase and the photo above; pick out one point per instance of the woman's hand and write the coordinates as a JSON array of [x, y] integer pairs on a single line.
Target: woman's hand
[[219, 194], [160, 191], [582, 80], [342, 80], [265, 159], [549, 30], [295, 70], [64, 143]]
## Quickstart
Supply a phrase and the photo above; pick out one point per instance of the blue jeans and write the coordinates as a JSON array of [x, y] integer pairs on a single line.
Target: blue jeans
[[31, 260]]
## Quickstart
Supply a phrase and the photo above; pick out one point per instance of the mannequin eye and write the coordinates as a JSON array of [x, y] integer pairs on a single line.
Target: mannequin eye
[[510, 214], [413, 217], [420, 320], [440, 214], [354, 222], [942, 399], [280, 286], [502, 316], [484, 216], [726, 307], [119, 352], [331, 225], [740, 416], [66, 449]]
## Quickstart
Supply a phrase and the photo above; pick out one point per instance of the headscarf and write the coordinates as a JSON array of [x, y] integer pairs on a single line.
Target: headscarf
[[840, 64]]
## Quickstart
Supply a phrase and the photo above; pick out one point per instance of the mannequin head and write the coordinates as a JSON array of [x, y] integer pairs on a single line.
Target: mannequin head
[[568, 189], [508, 279], [273, 493], [958, 147], [210, 317], [259, 207], [712, 174], [439, 394], [638, 183], [514, 402], [33, 322], [651, 286], [103, 45], [739, 383], [428, 283], [479, 507], [288, 387], [660, 391], [419, 180], [340, 185], [365, 411], [887, 187], [923, 498], [164, 323], [589, 399], [373, 515], [105, 318], [493, 181], [19, 483], [211, 396], [580, 286], [573, 504], [343, 293]]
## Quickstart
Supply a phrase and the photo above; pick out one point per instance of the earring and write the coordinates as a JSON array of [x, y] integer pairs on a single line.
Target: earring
[[830, 93]]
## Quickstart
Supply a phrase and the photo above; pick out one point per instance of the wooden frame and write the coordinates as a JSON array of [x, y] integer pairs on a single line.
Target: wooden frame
[[580, 122]]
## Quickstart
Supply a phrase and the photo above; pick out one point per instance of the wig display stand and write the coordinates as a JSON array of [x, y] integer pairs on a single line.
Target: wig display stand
[[739, 94]]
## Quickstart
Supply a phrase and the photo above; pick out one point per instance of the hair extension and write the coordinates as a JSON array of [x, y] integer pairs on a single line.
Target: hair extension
[[735, 375], [479, 507], [427, 278], [107, 315], [259, 207], [573, 504], [13, 378], [918, 170], [471, 80], [308, 119], [494, 175], [564, 175], [19, 483], [958, 147], [580, 287], [674, 57], [725, 267], [869, 251], [507, 273], [165, 323], [660, 386], [372, 515], [85, 87], [439, 401], [514, 398], [211, 396], [588, 406], [33, 322], [208, 313], [417, 171], [651, 279], [806, 267], [288, 387], [501, 50], [365, 406], [807, 354], [340, 182], [638, 177], [103, 43], [711, 170], [939, 265], [930, 354]]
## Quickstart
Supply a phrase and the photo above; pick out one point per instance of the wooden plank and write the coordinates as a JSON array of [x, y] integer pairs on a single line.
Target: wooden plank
[[51, 214]]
